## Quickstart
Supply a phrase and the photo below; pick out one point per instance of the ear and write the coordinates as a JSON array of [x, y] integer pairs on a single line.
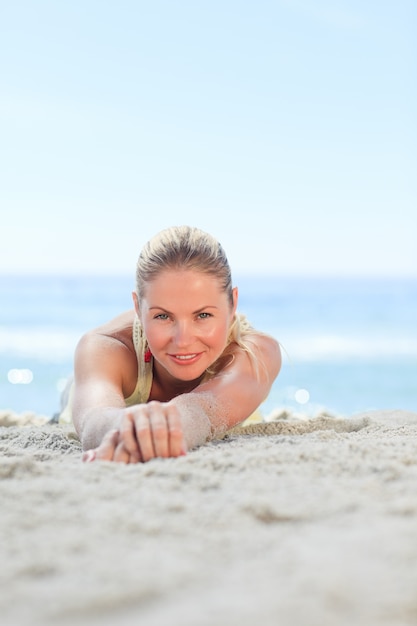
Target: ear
[[235, 296], [136, 303]]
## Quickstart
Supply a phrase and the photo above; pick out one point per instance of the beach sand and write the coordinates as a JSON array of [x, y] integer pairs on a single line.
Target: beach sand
[[291, 522]]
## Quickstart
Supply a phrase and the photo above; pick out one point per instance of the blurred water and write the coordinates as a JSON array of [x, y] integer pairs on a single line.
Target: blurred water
[[351, 344]]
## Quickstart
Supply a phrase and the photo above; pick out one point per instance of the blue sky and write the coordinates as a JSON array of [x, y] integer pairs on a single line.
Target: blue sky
[[286, 128]]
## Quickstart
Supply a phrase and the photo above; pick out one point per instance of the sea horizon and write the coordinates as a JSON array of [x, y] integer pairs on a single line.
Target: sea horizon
[[349, 343]]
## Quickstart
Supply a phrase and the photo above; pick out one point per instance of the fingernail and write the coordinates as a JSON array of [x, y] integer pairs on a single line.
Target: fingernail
[[89, 456]]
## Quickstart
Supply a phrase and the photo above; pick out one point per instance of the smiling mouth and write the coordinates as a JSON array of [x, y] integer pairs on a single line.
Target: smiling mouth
[[184, 357]]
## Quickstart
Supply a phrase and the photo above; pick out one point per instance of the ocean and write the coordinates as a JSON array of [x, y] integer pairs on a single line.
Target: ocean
[[349, 344]]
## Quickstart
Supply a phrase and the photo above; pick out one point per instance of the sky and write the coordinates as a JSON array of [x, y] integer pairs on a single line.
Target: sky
[[286, 128]]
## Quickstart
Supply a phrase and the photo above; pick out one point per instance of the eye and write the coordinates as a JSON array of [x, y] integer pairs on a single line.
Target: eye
[[161, 316], [204, 316]]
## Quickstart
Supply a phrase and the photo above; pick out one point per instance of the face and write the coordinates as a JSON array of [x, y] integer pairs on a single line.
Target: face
[[186, 319]]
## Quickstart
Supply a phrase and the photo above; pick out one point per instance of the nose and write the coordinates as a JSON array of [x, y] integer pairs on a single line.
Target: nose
[[183, 336]]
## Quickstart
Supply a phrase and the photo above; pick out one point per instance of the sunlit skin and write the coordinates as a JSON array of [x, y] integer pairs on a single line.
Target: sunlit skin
[[186, 318]]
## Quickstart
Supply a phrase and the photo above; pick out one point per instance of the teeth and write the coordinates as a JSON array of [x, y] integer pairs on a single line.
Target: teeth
[[184, 357]]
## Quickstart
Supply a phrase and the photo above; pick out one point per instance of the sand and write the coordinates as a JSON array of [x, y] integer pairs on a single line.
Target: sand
[[287, 523]]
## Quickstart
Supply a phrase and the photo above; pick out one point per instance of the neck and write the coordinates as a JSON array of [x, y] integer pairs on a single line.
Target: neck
[[168, 387]]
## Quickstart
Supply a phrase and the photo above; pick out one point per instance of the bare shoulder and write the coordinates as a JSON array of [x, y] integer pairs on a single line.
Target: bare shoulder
[[263, 340], [116, 327], [107, 347], [266, 351], [117, 330]]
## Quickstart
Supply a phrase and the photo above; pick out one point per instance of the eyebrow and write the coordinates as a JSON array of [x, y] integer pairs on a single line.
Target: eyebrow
[[203, 308]]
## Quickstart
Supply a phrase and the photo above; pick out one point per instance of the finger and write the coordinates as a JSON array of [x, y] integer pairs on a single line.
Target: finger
[[143, 435], [121, 455], [128, 435], [177, 445], [106, 449], [159, 430], [89, 456]]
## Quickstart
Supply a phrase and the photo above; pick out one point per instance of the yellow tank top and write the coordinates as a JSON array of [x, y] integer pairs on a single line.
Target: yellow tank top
[[143, 387]]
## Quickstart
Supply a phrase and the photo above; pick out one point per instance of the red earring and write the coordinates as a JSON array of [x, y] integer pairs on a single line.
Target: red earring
[[147, 356]]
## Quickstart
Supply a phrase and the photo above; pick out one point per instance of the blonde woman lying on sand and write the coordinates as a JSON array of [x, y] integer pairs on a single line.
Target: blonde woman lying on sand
[[180, 368]]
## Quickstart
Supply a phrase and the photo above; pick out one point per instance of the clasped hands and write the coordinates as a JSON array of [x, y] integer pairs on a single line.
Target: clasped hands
[[146, 431]]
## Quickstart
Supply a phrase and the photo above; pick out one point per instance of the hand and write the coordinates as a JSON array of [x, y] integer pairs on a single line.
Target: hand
[[146, 431]]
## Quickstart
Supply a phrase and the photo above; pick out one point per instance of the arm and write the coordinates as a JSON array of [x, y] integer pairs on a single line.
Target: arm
[[232, 395], [98, 404], [105, 371], [206, 412], [165, 429]]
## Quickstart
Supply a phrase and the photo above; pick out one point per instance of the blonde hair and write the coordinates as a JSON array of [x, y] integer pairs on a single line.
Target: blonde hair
[[183, 247], [187, 247]]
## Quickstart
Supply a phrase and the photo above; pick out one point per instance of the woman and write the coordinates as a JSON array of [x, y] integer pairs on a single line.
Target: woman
[[179, 369]]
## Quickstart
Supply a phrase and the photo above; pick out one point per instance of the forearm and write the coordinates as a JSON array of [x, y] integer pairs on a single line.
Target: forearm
[[201, 417], [231, 396], [95, 423]]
